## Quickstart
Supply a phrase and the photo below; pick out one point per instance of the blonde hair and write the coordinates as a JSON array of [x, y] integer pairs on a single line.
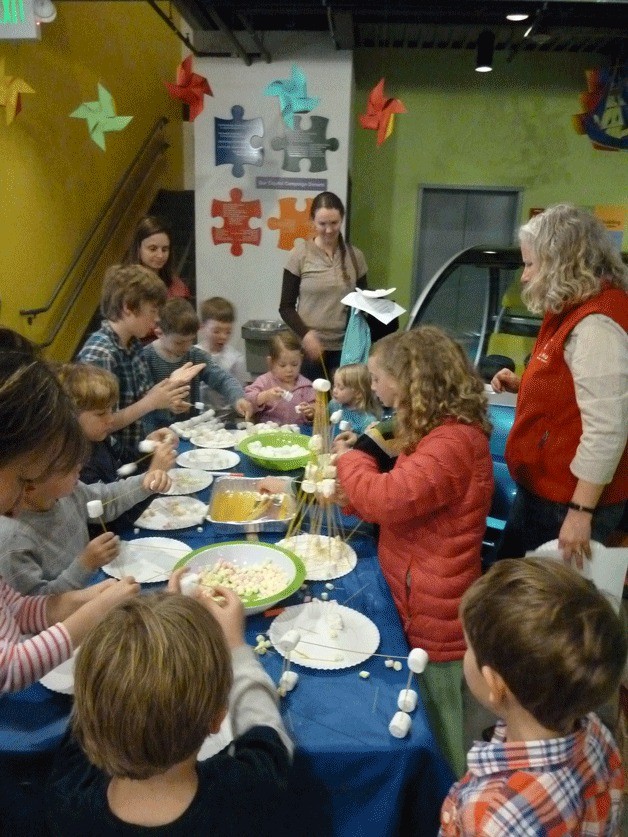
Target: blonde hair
[[553, 637], [283, 341], [356, 376], [149, 682], [178, 317], [89, 387], [130, 286], [217, 308], [575, 257], [436, 382]]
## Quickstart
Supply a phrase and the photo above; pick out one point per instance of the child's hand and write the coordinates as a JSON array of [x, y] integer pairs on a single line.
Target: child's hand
[[185, 373], [100, 550], [114, 594], [174, 582], [307, 410], [244, 408], [341, 498], [344, 441], [179, 406], [165, 393], [506, 381], [229, 613], [157, 481], [164, 457], [270, 396], [164, 434]]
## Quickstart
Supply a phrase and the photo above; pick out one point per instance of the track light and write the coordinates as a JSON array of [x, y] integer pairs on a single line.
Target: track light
[[517, 17], [45, 11], [484, 57]]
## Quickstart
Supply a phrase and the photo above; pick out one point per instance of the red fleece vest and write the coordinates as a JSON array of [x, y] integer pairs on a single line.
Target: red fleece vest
[[547, 427]]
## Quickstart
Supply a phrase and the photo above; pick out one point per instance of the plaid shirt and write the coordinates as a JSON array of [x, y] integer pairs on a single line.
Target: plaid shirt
[[103, 348], [559, 787]]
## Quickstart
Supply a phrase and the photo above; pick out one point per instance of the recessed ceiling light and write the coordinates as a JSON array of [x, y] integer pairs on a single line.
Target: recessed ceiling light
[[516, 17]]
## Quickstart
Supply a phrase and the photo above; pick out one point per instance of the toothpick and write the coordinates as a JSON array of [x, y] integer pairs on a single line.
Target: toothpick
[[102, 523], [353, 595]]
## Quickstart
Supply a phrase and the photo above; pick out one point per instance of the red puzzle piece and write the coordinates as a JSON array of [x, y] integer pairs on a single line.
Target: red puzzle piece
[[292, 223], [236, 214]]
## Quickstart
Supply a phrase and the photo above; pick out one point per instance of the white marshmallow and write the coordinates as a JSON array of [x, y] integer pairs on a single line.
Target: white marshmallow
[[308, 486], [316, 443], [288, 681], [188, 583], [198, 405], [95, 508], [289, 641], [335, 416], [287, 395], [329, 472], [147, 446], [400, 725], [365, 675], [407, 700], [328, 488], [397, 665], [344, 425], [417, 660], [321, 385], [127, 470]]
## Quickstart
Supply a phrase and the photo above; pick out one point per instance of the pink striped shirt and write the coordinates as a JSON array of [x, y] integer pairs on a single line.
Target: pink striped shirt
[[24, 660]]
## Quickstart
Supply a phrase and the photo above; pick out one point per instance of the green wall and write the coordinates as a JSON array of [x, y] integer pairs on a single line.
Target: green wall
[[511, 127]]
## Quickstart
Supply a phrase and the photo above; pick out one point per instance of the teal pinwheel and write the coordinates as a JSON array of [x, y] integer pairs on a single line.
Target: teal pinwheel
[[292, 94], [101, 117]]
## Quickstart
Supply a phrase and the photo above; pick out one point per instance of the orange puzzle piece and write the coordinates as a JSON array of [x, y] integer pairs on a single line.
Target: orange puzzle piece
[[236, 214], [292, 223]]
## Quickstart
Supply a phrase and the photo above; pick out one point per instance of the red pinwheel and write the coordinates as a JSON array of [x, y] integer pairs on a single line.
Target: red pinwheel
[[190, 88], [380, 113]]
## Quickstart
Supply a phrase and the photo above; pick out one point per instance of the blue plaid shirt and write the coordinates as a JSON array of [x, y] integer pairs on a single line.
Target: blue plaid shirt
[[103, 348]]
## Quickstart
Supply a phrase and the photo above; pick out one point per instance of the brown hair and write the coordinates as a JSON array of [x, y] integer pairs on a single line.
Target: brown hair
[[283, 341], [356, 376], [178, 317], [553, 637], [89, 387], [436, 383], [329, 200], [149, 682], [130, 286], [217, 308], [151, 225]]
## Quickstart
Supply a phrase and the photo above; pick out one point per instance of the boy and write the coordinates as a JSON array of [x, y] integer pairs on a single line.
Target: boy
[[130, 303], [174, 347], [544, 649], [217, 318], [149, 686]]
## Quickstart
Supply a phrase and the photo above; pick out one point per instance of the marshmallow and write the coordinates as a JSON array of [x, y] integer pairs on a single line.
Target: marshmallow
[[127, 470], [328, 488], [324, 596], [289, 641], [329, 585], [199, 405], [321, 385], [308, 486], [364, 675], [389, 663], [335, 416], [95, 509], [287, 395], [288, 681], [400, 725], [397, 665], [417, 660], [188, 583], [344, 425], [316, 443], [147, 446], [329, 472], [407, 700]]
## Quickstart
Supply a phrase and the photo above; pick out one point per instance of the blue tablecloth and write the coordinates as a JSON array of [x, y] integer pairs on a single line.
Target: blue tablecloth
[[351, 777]]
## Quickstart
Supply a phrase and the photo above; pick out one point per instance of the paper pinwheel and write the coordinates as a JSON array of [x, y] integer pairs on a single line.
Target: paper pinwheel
[[101, 117], [380, 113], [11, 89], [292, 94], [190, 88]]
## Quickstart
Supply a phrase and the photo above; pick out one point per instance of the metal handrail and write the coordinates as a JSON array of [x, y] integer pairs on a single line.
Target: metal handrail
[[31, 313]]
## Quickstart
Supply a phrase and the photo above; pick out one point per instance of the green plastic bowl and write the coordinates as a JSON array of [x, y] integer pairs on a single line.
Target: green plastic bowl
[[276, 440]]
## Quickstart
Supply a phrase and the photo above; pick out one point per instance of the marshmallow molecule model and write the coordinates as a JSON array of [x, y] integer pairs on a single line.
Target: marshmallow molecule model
[[286, 645], [95, 509], [407, 701]]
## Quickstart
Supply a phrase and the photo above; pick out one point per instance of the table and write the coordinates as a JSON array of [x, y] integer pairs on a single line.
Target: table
[[350, 777]]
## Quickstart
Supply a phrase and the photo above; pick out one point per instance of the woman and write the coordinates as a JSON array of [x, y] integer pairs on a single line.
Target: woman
[[318, 275], [151, 248], [567, 448]]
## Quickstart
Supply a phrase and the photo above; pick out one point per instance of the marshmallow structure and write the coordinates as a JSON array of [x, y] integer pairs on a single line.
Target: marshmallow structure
[[289, 641], [417, 660], [407, 700], [288, 681], [400, 725], [95, 508], [127, 470], [147, 446]]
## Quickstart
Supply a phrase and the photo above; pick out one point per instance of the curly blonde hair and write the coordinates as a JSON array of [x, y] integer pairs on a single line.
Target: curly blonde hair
[[575, 257], [436, 382]]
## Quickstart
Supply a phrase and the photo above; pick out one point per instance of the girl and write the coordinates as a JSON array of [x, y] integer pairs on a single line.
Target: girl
[[38, 428], [282, 394], [431, 507], [352, 394], [152, 248]]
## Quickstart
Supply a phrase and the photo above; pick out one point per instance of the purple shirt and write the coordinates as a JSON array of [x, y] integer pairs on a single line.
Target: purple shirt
[[283, 412]]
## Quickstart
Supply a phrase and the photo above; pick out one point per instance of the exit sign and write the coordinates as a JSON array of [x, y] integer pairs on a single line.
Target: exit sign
[[17, 21]]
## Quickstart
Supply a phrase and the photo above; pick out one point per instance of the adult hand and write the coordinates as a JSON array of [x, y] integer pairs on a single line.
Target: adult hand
[[185, 373], [100, 550], [506, 381], [312, 345], [574, 537], [157, 481]]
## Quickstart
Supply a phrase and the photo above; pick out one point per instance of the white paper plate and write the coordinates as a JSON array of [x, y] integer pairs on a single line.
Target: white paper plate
[[217, 438], [323, 566], [147, 559], [208, 459], [166, 513], [61, 678], [187, 481], [354, 642]]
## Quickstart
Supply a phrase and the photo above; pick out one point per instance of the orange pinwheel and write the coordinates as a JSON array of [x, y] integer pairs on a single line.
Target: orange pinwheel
[[190, 88], [380, 112]]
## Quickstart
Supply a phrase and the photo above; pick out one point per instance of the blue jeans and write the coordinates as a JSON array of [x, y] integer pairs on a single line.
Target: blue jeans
[[534, 521]]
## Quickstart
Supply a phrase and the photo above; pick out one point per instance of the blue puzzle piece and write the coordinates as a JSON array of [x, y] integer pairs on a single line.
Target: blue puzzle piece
[[234, 141], [305, 144]]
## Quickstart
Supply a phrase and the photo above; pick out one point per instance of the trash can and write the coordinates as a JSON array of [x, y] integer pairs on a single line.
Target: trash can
[[256, 334]]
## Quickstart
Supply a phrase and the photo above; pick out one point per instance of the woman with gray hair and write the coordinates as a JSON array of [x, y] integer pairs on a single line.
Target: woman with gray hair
[[567, 447]]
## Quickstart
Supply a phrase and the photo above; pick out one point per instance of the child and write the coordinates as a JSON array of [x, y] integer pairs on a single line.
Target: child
[[37, 426], [174, 348], [282, 394], [352, 394], [217, 318], [46, 548], [94, 392], [149, 686], [544, 649], [431, 506], [131, 299]]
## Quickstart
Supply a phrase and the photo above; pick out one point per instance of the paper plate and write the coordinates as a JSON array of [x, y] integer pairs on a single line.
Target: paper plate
[[61, 678], [324, 645], [217, 438], [166, 513], [208, 460], [323, 557], [187, 481], [148, 560]]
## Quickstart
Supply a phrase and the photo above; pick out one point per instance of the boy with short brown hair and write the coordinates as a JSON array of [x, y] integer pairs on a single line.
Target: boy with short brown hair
[[545, 648], [217, 318]]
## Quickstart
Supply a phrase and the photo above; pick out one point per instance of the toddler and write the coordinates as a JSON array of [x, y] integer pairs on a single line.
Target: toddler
[[544, 649], [282, 394], [351, 393], [150, 685]]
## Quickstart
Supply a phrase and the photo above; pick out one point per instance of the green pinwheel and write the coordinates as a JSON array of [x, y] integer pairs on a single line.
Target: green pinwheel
[[101, 117]]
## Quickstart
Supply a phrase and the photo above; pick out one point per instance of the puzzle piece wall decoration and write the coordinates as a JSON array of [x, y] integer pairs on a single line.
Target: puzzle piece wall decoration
[[292, 223], [292, 95], [236, 214], [234, 141], [306, 144]]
